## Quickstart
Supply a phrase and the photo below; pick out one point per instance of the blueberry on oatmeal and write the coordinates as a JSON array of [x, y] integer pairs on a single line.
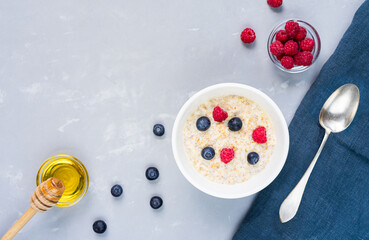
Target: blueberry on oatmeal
[[253, 158], [208, 153], [203, 123], [235, 124]]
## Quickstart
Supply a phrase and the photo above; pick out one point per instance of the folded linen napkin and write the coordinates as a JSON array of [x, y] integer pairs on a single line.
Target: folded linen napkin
[[335, 204]]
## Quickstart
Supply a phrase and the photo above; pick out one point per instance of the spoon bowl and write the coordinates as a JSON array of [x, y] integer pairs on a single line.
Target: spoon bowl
[[340, 108]]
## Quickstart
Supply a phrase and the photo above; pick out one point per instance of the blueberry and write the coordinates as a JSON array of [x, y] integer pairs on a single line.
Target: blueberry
[[253, 158], [208, 153], [158, 130], [156, 202], [203, 123], [152, 173], [116, 190], [235, 124], [99, 226]]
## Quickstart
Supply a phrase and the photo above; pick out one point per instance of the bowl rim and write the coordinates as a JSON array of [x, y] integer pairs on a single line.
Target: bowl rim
[[175, 150]]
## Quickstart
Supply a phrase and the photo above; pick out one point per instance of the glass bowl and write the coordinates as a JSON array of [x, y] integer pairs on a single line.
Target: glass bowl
[[73, 174], [311, 33]]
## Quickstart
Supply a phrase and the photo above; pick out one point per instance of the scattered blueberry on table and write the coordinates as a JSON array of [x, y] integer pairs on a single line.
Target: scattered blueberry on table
[[116, 190], [235, 124], [99, 226], [152, 173], [159, 130], [156, 202], [203, 124], [253, 158], [208, 153]]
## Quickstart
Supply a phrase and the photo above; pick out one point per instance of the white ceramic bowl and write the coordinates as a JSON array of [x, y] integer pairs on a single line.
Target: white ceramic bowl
[[257, 182]]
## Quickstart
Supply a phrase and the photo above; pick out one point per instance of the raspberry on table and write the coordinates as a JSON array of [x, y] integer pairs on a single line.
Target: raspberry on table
[[291, 48], [248, 35], [292, 28], [307, 44], [259, 135], [219, 114], [275, 3], [282, 36], [276, 48], [301, 34], [287, 62], [303, 58], [226, 155]]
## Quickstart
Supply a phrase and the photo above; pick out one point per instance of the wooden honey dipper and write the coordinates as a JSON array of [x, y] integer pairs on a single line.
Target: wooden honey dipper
[[46, 195]]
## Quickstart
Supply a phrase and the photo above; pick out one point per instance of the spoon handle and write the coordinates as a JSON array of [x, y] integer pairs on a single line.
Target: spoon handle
[[291, 204]]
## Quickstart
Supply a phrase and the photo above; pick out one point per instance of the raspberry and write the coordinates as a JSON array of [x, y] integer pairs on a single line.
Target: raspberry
[[307, 44], [291, 48], [259, 135], [296, 59], [226, 155], [281, 36], [279, 57], [248, 35], [301, 34], [292, 28], [275, 3], [276, 48], [219, 114], [287, 62], [303, 58]]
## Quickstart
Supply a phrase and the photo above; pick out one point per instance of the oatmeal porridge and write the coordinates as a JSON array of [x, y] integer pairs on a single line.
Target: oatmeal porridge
[[229, 139]]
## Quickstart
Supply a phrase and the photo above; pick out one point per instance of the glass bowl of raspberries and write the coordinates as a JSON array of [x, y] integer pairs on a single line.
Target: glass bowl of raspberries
[[293, 45]]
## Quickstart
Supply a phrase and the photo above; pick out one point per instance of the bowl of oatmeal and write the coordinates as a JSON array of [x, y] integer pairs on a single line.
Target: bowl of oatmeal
[[230, 140]]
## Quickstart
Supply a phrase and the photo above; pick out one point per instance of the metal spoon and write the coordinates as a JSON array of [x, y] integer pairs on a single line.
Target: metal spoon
[[336, 115]]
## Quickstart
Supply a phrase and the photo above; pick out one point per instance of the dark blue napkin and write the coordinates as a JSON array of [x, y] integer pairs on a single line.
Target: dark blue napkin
[[335, 204]]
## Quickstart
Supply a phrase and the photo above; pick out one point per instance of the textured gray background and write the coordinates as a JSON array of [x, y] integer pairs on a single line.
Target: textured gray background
[[90, 78]]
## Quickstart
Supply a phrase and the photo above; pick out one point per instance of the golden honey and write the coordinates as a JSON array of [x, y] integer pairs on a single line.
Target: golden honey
[[71, 172]]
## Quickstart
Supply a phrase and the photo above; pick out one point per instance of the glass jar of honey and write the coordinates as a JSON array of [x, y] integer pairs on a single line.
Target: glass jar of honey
[[71, 172]]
